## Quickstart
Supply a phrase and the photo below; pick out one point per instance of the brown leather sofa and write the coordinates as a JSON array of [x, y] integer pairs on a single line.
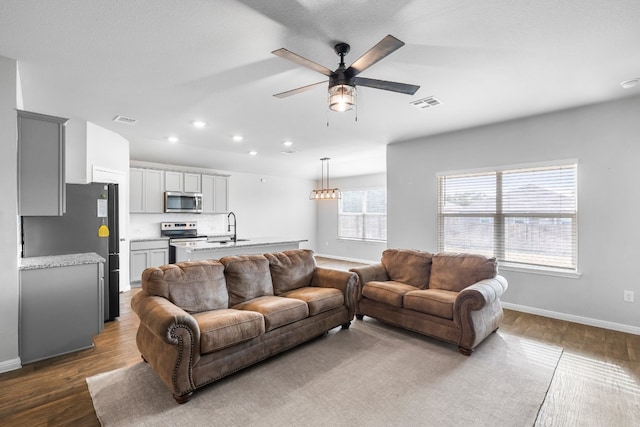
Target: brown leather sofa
[[203, 320], [452, 297]]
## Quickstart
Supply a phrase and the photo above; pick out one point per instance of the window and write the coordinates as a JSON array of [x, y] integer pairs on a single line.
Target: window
[[362, 215], [523, 216]]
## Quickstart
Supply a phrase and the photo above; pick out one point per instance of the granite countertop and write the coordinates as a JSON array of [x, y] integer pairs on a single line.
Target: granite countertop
[[213, 246], [51, 261], [147, 238]]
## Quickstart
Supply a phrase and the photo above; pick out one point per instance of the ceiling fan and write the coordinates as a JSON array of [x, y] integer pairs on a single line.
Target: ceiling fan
[[343, 81]]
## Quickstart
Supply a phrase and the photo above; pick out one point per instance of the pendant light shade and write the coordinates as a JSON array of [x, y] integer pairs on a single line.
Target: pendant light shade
[[325, 193], [342, 97]]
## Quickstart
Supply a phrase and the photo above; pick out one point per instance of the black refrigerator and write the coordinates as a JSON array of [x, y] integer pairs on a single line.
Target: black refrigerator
[[89, 206]]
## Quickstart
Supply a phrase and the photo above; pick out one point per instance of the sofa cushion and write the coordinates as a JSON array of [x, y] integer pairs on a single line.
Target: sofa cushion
[[388, 292], [194, 286], [247, 277], [436, 302], [224, 328], [291, 269], [318, 300], [454, 272], [277, 311], [408, 266]]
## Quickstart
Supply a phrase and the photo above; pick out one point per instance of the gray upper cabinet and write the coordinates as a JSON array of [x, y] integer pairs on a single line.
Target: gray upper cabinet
[[146, 190], [215, 194], [182, 182], [41, 180]]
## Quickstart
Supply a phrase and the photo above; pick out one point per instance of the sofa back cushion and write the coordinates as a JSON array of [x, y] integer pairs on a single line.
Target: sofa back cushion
[[454, 272], [291, 269], [247, 276], [408, 266], [194, 286]]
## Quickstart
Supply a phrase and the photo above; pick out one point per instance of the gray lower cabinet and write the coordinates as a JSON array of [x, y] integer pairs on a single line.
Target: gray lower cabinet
[[41, 186], [61, 310], [147, 253]]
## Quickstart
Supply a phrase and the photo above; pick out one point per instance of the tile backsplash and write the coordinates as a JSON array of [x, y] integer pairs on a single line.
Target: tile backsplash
[[148, 225]]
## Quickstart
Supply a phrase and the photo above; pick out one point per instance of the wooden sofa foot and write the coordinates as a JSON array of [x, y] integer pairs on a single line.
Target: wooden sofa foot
[[184, 398], [346, 325], [465, 351], [359, 316]]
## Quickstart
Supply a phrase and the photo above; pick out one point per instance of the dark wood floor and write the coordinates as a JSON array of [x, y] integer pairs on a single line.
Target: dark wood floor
[[54, 392]]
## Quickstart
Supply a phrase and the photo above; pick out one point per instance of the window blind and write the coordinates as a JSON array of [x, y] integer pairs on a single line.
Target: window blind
[[362, 214], [526, 216]]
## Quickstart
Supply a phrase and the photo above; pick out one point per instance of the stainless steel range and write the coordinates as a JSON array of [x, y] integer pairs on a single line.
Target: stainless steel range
[[178, 232]]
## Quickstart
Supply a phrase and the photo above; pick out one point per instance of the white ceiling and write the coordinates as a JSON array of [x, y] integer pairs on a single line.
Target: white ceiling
[[167, 63]]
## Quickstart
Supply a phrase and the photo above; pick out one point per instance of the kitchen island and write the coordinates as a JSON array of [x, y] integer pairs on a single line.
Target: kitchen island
[[194, 251]]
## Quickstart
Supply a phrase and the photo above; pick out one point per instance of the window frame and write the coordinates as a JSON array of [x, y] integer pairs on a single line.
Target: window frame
[[363, 215], [498, 217]]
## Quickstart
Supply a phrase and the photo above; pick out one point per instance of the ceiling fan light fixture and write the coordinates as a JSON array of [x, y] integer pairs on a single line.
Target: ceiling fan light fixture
[[342, 97]]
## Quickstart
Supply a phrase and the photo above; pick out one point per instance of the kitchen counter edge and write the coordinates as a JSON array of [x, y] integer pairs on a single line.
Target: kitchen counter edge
[[52, 261]]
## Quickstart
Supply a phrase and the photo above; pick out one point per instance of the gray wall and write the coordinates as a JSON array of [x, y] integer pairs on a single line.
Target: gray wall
[[327, 225], [8, 218], [605, 139]]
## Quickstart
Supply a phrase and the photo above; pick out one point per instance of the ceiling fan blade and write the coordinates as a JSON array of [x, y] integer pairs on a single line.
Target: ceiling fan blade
[[386, 46], [294, 57], [387, 85], [298, 90]]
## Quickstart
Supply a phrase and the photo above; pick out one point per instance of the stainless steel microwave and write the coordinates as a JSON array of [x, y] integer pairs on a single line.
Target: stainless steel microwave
[[182, 202]]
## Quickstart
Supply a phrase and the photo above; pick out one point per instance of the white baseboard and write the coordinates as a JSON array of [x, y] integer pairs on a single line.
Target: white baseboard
[[341, 258], [10, 365], [573, 318]]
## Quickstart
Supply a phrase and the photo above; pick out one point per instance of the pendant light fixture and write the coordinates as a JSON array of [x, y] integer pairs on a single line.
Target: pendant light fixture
[[325, 193]]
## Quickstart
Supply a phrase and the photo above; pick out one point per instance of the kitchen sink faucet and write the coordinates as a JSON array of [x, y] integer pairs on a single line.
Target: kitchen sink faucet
[[235, 227]]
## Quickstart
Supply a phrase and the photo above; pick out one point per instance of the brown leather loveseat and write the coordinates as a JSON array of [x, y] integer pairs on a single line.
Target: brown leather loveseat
[[203, 320], [452, 297]]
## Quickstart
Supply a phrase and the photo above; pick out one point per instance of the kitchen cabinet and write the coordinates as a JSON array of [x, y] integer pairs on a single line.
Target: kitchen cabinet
[[215, 194], [61, 305], [41, 159], [146, 190], [182, 182], [145, 254]]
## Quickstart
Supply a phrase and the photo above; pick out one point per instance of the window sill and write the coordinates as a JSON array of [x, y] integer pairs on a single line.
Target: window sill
[[376, 242], [545, 271]]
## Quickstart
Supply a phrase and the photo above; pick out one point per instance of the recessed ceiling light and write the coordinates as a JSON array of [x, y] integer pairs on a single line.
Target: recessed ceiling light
[[173, 139], [237, 138], [287, 152], [628, 84], [199, 124], [287, 143], [253, 152]]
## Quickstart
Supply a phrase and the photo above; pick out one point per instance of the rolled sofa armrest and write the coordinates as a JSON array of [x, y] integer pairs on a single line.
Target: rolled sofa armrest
[[168, 339], [161, 317], [371, 273], [477, 310], [345, 281], [483, 293], [368, 273]]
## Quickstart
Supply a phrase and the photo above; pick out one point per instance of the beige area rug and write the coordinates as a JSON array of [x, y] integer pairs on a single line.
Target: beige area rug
[[369, 375]]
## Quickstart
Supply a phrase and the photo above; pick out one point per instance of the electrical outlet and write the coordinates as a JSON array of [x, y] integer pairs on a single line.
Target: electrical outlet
[[628, 296]]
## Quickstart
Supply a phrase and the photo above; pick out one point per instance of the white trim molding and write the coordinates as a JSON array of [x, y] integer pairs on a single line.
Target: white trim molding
[[341, 258], [10, 365], [620, 327]]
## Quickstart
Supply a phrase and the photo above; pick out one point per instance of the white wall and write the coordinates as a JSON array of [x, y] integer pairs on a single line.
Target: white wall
[[605, 140], [328, 242], [9, 93]]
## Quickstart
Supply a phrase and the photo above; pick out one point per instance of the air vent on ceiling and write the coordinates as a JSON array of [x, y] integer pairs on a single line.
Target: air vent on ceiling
[[430, 101], [125, 120]]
